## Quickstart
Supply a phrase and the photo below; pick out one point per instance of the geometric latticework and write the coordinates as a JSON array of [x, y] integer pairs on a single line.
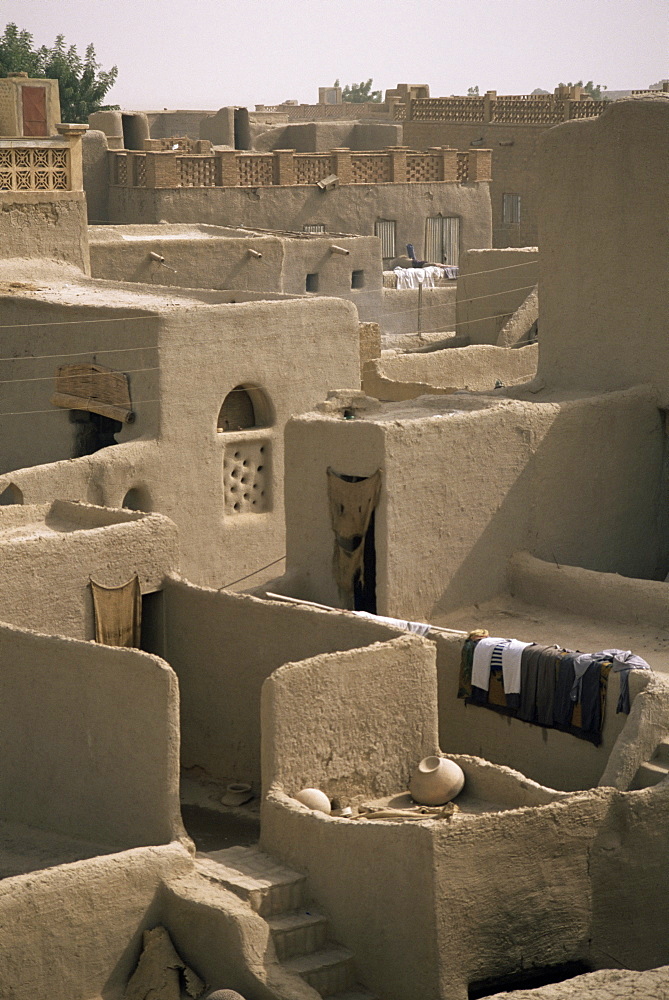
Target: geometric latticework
[[182, 142], [121, 161], [196, 171], [140, 169], [255, 170], [370, 168], [424, 167], [528, 110], [311, 168], [586, 109], [463, 168], [34, 168], [448, 109]]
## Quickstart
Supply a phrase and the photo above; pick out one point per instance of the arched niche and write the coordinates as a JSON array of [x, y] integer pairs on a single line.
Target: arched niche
[[244, 407], [137, 498]]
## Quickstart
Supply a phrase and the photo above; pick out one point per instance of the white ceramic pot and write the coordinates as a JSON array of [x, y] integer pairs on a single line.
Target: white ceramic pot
[[436, 781], [314, 798]]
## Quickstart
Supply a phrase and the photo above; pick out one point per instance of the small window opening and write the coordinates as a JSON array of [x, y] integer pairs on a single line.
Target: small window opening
[[313, 227], [312, 282], [511, 208], [385, 229], [357, 279]]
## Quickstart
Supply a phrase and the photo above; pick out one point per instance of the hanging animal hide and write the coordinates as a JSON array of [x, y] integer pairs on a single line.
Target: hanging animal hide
[[351, 507]]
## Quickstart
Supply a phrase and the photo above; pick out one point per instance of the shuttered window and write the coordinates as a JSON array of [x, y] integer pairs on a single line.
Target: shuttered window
[[385, 230], [34, 111], [510, 208], [442, 239]]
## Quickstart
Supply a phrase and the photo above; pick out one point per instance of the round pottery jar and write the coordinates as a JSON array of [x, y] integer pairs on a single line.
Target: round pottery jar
[[314, 798], [436, 781]]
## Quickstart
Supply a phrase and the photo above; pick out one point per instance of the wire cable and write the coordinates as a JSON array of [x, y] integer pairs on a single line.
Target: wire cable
[[60, 409], [80, 354], [49, 378], [255, 573], [78, 320]]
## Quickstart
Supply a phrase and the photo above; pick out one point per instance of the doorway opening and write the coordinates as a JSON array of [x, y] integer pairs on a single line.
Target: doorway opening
[[92, 432]]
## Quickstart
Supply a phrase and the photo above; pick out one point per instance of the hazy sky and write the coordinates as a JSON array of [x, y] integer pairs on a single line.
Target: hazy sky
[[210, 53]]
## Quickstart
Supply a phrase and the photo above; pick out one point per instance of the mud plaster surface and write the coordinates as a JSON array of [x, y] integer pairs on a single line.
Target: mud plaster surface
[[606, 984], [509, 617], [26, 849]]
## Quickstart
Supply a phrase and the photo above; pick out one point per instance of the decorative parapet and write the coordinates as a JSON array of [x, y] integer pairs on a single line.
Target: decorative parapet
[[523, 109], [179, 143], [446, 109], [51, 163], [285, 167], [528, 110]]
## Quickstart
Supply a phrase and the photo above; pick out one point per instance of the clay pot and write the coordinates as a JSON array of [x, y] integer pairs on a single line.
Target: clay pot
[[237, 793], [436, 781], [314, 798]]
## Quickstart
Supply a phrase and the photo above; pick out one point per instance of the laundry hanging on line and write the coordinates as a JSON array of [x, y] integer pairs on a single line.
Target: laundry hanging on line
[[545, 685]]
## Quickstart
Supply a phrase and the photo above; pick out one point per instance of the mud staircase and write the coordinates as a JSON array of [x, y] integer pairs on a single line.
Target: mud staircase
[[654, 770], [299, 931]]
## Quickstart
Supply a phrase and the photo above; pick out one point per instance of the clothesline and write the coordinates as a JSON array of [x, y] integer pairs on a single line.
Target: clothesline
[[545, 685]]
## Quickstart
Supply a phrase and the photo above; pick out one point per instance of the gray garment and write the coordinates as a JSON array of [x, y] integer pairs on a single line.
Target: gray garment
[[530, 662], [623, 660], [546, 680]]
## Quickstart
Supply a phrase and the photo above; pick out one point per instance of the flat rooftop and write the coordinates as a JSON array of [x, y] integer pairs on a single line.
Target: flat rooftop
[[514, 619]]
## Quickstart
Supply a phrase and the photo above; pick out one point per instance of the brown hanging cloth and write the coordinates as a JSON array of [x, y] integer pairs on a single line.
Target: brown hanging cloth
[[118, 613], [351, 507]]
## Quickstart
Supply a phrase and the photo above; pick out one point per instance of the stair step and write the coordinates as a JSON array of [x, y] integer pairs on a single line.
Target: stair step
[[649, 775], [661, 755], [329, 971], [268, 886], [298, 933]]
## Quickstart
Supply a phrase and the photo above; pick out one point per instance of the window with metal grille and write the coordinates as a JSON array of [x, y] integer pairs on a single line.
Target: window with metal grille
[[314, 227], [385, 230], [510, 208], [442, 239]]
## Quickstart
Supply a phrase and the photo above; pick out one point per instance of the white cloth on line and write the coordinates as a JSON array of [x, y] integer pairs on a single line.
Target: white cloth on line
[[481, 660], [511, 655], [412, 277], [418, 628]]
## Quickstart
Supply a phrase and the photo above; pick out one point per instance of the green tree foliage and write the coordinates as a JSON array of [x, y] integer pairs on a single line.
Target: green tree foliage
[[595, 90], [359, 93], [82, 83], [473, 91], [17, 54]]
